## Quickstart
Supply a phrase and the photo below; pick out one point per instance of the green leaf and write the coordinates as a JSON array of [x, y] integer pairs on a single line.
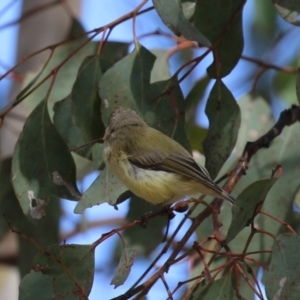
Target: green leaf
[[213, 18], [188, 9], [160, 104], [194, 98], [257, 120], [42, 165], [106, 188], [172, 15], [243, 211], [127, 83], [64, 122], [124, 267], [9, 205], [282, 279], [284, 84], [168, 115], [71, 268], [161, 68], [86, 103], [298, 85], [138, 237], [288, 10], [219, 289], [113, 52], [36, 286], [224, 122], [97, 154], [196, 137]]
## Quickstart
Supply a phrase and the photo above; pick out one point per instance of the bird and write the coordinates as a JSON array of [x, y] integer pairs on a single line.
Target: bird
[[152, 165]]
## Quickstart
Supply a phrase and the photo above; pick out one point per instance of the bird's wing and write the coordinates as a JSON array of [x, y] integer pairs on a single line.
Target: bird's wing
[[182, 164]]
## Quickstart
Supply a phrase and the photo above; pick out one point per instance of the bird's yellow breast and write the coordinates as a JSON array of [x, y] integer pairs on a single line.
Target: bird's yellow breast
[[152, 185]]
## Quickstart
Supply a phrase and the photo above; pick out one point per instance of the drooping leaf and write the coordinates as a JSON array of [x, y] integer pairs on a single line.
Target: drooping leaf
[[97, 155], [224, 122], [219, 289], [11, 209], [160, 104], [243, 210], [42, 166], [124, 267], [284, 83], [86, 103], [71, 268], [288, 10], [188, 9], [127, 83], [282, 278], [172, 15], [193, 99], [298, 85], [137, 237], [196, 137], [36, 286], [64, 122], [168, 115], [221, 21], [161, 69], [113, 51], [106, 188], [9, 205]]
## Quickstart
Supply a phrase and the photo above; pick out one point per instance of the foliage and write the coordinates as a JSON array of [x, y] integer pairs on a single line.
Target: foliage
[[72, 96]]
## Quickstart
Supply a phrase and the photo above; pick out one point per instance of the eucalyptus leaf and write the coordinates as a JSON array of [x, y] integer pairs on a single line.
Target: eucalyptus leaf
[[224, 122], [35, 285], [105, 188], [244, 208], [71, 268], [282, 278], [172, 15], [124, 267], [288, 10], [86, 103], [42, 166], [137, 237], [221, 21], [64, 122]]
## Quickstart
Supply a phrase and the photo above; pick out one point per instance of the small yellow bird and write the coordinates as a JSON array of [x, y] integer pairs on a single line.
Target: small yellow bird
[[152, 165]]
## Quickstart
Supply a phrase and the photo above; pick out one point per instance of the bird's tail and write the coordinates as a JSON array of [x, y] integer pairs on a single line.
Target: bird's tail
[[227, 197]]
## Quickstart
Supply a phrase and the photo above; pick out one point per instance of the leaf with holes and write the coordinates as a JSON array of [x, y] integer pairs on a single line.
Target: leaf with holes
[[42, 165]]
